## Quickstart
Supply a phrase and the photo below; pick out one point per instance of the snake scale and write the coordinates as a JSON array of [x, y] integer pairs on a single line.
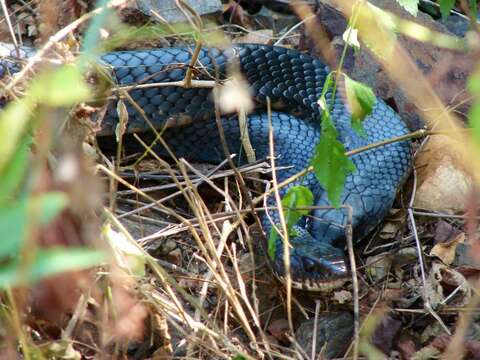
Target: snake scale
[[294, 82]]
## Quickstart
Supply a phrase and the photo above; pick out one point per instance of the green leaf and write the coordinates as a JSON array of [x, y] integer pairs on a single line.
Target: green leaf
[[49, 205], [360, 100], [473, 86], [322, 101], [474, 117], [14, 121], [410, 5], [49, 262], [473, 6], [330, 164], [239, 357], [13, 175], [272, 243], [296, 196], [13, 228], [445, 7], [15, 219], [62, 87]]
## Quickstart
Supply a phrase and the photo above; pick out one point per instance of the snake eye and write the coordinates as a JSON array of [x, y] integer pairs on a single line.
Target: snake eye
[[309, 265]]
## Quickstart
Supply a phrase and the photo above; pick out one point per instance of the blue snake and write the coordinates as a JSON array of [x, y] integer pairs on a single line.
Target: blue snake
[[293, 82]]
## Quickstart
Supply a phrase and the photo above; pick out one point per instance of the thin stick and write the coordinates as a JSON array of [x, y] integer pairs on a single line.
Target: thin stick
[[189, 73], [315, 329], [353, 267], [207, 84], [10, 27], [196, 182], [413, 228], [284, 236]]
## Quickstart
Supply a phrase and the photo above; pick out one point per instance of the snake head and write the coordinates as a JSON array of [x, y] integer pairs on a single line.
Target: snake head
[[314, 265]]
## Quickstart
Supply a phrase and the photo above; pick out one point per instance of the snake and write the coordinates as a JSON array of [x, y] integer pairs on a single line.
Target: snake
[[292, 82]]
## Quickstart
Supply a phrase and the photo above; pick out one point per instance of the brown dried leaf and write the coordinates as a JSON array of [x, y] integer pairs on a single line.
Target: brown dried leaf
[[237, 15], [342, 296], [61, 349], [426, 353], [444, 231], [385, 332], [389, 230], [279, 328], [445, 251], [406, 348], [442, 281], [379, 265], [393, 294]]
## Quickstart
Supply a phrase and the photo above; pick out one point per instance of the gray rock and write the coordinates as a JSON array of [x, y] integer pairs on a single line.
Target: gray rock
[[171, 13], [334, 332]]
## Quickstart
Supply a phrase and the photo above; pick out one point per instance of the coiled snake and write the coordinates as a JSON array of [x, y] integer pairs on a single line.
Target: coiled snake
[[293, 81]]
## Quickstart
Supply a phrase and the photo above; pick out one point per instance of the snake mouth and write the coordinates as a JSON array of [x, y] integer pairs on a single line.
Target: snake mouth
[[313, 285], [327, 274]]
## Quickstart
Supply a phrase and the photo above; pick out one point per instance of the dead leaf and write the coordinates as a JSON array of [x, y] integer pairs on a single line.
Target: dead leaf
[[406, 348], [236, 14], [61, 349], [471, 348], [426, 353], [390, 295], [389, 230], [385, 332], [444, 231], [442, 282], [379, 265], [342, 296], [445, 251], [279, 328]]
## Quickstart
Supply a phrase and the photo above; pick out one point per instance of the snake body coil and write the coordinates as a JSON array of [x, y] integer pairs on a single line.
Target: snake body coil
[[294, 82]]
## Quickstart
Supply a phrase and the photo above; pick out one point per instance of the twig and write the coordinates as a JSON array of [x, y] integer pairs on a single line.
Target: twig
[[220, 216], [442, 215], [189, 73], [207, 84], [10, 28], [284, 236], [196, 182], [207, 246], [353, 267], [413, 228], [230, 172], [315, 329]]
